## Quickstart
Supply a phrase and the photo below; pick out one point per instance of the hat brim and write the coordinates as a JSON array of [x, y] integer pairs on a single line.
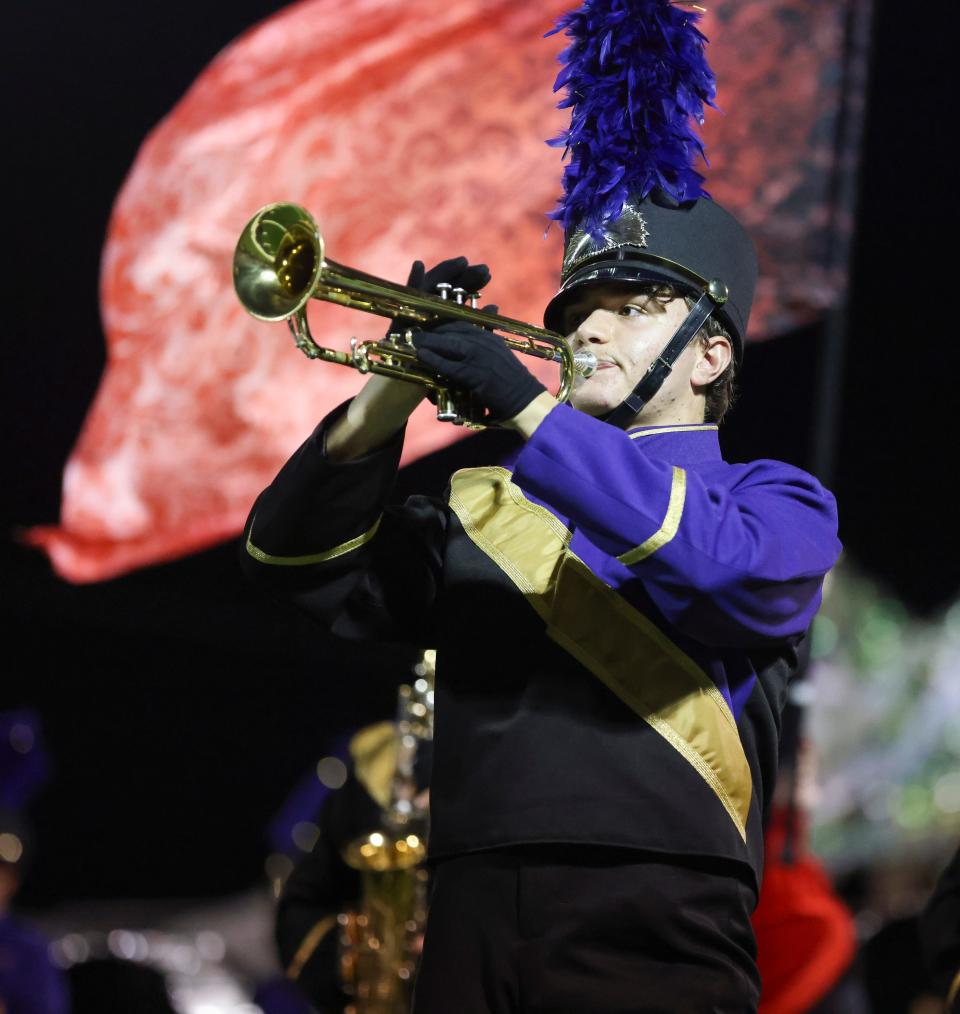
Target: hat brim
[[630, 271]]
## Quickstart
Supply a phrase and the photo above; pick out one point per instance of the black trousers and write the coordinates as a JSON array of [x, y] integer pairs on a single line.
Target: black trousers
[[574, 930]]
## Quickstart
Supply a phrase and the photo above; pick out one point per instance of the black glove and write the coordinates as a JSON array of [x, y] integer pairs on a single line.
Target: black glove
[[457, 271], [477, 360]]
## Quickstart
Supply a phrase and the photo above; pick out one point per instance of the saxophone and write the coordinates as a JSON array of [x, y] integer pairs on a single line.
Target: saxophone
[[379, 944]]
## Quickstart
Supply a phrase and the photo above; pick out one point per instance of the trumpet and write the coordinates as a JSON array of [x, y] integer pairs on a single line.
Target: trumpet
[[279, 265]]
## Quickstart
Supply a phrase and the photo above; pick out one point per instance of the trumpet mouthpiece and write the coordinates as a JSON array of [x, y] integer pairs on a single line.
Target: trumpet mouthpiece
[[585, 363]]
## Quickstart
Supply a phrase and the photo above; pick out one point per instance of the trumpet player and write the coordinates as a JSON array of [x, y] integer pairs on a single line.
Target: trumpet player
[[616, 608], [597, 801]]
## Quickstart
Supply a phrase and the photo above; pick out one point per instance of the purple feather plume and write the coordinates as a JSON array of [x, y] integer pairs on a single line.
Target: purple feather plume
[[637, 80]]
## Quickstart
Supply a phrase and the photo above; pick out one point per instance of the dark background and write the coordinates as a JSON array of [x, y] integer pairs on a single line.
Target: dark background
[[179, 707]]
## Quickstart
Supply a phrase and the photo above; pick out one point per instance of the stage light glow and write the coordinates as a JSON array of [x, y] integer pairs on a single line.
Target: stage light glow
[[123, 944], [211, 945], [946, 792], [912, 808], [73, 948], [332, 772], [278, 867], [305, 835], [11, 848]]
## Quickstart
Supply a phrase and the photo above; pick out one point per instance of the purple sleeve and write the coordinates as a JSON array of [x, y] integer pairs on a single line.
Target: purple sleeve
[[731, 555]]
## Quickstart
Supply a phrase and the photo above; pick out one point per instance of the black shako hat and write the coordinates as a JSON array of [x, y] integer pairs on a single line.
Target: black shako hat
[[658, 239], [633, 209]]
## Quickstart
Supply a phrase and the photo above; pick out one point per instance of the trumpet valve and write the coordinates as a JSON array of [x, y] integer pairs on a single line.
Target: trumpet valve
[[403, 338], [443, 289], [473, 299], [358, 355], [447, 407], [459, 295]]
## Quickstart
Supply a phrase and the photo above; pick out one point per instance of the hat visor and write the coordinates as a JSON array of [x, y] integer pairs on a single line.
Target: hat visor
[[614, 272]]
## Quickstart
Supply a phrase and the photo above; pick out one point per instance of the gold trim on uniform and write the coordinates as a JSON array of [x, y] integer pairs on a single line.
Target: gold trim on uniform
[[612, 639], [671, 522], [309, 944], [692, 428], [302, 561]]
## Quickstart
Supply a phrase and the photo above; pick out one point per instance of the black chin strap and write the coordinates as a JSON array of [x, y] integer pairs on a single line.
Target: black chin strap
[[715, 295]]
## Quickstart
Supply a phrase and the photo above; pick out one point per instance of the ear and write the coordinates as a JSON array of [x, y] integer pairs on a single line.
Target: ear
[[712, 359]]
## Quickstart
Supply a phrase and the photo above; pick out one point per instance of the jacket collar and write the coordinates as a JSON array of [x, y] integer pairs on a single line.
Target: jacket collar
[[686, 444]]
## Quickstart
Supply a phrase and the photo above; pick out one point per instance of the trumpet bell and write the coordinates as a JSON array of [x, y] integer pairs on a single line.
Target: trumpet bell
[[278, 261]]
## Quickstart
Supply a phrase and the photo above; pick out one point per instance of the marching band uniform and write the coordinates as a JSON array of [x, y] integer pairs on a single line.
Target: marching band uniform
[[613, 612], [30, 981], [615, 609], [322, 885]]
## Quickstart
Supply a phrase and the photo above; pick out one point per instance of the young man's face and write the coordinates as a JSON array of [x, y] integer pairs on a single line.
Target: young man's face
[[626, 330]]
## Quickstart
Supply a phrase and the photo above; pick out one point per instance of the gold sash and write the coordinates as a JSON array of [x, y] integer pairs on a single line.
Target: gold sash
[[607, 635]]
